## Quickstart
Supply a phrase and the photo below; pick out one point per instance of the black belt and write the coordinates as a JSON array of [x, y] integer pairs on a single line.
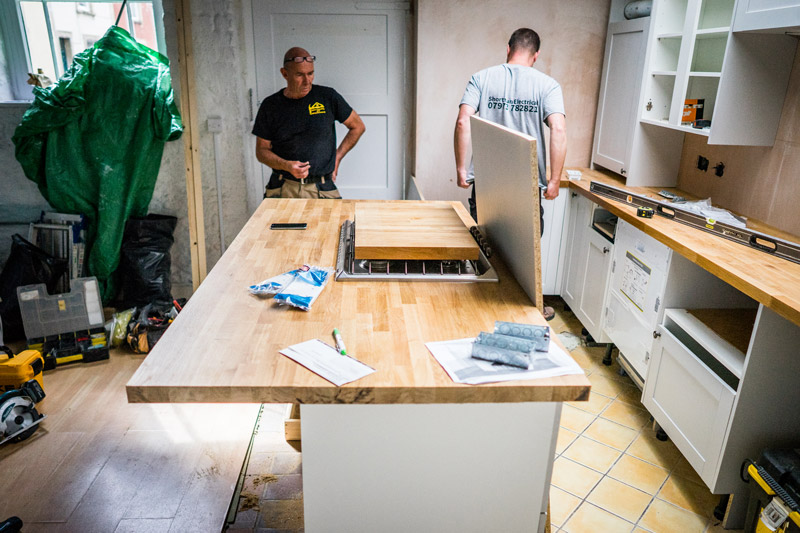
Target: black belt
[[308, 179]]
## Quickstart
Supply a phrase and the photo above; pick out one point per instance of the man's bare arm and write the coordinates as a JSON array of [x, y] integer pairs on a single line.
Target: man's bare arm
[[461, 144], [264, 153], [558, 153], [355, 129]]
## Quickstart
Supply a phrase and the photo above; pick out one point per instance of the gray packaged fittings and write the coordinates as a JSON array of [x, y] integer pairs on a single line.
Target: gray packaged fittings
[[539, 335], [501, 355]]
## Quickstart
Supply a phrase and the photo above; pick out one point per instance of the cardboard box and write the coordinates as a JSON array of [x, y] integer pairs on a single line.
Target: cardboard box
[[692, 110]]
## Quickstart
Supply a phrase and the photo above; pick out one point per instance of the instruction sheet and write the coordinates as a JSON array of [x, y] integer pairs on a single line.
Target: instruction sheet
[[635, 279], [456, 359], [325, 361]]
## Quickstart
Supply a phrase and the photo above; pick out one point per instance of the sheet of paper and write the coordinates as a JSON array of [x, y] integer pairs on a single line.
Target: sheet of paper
[[326, 362], [456, 359]]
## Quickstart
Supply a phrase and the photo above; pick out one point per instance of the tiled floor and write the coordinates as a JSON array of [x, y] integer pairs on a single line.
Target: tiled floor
[[610, 473]]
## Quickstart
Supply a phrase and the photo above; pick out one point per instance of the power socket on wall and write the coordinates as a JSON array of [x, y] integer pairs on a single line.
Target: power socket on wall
[[702, 163]]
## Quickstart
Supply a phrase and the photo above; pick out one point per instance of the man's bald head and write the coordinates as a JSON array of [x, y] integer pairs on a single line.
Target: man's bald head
[[293, 52], [299, 76]]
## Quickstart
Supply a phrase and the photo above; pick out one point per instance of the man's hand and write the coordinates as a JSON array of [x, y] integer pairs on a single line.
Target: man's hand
[[298, 169], [461, 179], [461, 144], [335, 169], [551, 192]]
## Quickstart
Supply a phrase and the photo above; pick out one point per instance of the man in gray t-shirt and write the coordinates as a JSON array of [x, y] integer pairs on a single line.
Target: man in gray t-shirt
[[519, 97]]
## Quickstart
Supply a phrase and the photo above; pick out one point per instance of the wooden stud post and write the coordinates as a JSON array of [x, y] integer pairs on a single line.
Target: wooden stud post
[[191, 143]]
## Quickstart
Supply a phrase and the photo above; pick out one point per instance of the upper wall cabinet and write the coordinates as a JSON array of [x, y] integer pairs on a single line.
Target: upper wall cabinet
[[693, 64], [777, 16]]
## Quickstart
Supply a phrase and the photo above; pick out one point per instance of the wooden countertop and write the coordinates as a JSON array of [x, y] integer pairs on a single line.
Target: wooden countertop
[[770, 280], [224, 346]]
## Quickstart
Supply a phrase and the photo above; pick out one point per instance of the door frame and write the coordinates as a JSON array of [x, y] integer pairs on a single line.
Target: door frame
[[254, 180]]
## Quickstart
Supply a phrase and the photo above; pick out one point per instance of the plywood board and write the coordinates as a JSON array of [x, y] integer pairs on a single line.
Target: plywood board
[[507, 194], [413, 230]]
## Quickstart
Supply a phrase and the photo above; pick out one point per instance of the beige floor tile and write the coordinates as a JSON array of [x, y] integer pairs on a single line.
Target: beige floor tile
[[626, 414], [592, 454], [684, 469], [689, 495], [649, 448], [574, 478], [639, 474], [591, 519], [597, 402], [584, 360], [575, 419], [611, 433], [565, 438], [604, 386], [620, 499], [561, 505], [664, 517]]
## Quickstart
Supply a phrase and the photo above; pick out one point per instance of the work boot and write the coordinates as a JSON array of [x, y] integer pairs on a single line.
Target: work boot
[[548, 312]]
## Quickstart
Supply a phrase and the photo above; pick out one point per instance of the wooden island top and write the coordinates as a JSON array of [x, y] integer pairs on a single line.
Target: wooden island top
[[768, 279], [223, 347]]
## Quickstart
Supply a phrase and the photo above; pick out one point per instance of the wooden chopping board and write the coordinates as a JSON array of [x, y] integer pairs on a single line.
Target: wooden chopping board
[[399, 230]]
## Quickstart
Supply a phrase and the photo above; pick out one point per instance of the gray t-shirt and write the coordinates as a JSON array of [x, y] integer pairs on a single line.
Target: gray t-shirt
[[517, 97]]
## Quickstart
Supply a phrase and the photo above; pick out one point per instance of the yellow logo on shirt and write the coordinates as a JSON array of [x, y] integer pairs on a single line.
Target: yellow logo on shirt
[[316, 109]]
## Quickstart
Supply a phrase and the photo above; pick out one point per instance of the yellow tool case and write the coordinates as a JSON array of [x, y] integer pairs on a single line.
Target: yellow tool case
[[16, 370]]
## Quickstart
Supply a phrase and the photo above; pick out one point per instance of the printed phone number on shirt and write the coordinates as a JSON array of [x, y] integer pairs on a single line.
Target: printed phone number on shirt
[[524, 106]]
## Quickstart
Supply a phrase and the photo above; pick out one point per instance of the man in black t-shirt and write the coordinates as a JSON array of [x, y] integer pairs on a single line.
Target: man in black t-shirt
[[296, 136]]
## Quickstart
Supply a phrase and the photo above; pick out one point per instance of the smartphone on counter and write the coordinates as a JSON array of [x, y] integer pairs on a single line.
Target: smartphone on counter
[[289, 225]]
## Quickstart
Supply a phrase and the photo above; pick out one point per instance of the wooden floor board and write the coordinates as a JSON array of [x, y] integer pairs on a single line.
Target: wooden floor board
[[98, 463]]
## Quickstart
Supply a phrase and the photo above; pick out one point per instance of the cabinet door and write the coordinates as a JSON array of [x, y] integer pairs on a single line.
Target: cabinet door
[[689, 401], [575, 261], [595, 282], [552, 241], [755, 15], [619, 93]]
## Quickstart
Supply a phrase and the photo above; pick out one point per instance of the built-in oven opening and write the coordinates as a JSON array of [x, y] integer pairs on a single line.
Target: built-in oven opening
[[604, 222]]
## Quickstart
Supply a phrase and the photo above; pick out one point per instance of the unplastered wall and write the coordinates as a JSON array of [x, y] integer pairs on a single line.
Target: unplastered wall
[[219, 66], [758, 182], [456, 39]]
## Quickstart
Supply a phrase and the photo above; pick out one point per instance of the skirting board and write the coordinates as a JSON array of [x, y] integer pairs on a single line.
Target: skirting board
[[507, 194]]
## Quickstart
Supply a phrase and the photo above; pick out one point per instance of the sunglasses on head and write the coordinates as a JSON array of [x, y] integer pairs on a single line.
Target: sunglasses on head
[[300, 59]]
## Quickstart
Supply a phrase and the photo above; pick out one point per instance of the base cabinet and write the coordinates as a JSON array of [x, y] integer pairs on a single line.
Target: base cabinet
[[690, 401], [553, 241], [587, 266]]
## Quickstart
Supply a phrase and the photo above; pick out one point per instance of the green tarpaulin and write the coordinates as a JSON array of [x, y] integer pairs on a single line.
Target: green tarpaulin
[[93, 141]]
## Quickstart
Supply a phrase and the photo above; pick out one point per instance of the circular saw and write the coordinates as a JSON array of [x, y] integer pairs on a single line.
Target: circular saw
[[19, 418]]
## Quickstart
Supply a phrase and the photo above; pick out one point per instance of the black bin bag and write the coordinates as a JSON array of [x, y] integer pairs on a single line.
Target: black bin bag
[[144, 267], [26, 265]]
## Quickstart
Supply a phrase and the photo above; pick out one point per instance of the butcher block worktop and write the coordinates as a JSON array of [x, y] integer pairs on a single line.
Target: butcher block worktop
[[224, 346], [770, 280], [413, 230]]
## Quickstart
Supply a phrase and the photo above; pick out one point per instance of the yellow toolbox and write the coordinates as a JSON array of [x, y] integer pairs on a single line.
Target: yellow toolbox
[[16, 370]]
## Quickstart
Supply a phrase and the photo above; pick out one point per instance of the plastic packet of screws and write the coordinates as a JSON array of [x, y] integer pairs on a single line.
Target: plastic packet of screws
[[539, 335]]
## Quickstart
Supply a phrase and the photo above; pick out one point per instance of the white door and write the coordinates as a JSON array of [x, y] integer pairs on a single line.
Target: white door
[[360, 53], [619, 93]]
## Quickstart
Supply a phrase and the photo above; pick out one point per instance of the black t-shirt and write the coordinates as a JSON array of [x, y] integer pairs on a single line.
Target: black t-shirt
[[303, 129]]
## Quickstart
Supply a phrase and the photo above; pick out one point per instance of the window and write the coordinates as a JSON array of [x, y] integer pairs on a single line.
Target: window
[[46, 34]]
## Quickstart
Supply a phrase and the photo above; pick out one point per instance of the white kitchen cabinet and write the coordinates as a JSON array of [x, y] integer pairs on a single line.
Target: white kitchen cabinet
[[691, 54], [553, 244], [767, 15], [691, 388], [636, 294], [619, 94], [575, 260], [586, 269]]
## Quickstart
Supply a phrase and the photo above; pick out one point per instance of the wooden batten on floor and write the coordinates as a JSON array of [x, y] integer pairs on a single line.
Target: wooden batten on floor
[[291, 425], [191, 143]]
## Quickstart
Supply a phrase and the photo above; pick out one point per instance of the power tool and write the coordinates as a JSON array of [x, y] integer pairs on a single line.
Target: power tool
[[19, 418]]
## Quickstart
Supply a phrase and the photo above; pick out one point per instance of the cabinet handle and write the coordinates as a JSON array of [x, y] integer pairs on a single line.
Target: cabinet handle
[[656, 334], [623, 171], [606, 249]]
